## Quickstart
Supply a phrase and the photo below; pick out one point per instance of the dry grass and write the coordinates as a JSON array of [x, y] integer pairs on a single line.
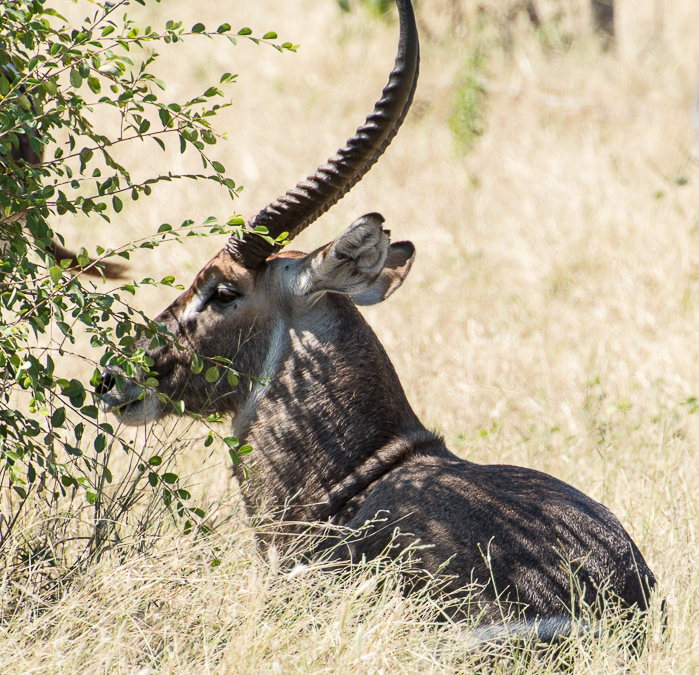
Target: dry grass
[[550, 321]]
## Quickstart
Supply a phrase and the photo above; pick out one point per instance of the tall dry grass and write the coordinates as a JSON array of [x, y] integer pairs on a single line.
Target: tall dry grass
[[550, 321]]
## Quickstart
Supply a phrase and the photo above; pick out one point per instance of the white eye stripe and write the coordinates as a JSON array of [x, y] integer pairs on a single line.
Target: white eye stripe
[[193, 307]]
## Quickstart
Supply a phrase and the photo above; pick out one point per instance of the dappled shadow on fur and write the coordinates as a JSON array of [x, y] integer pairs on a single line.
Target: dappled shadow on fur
[[529, 540]]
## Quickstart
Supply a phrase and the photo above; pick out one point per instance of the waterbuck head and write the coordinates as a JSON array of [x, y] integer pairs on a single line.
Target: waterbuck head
[[240, 300]]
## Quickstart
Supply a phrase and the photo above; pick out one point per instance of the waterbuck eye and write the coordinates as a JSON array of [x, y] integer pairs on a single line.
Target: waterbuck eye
[[225, 294]]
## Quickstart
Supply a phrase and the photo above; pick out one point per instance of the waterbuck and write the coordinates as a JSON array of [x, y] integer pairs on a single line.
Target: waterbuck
[[335, 439]]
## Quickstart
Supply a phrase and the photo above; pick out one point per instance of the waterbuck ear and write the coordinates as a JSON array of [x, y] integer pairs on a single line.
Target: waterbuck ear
[[398, 263], [351, 263]]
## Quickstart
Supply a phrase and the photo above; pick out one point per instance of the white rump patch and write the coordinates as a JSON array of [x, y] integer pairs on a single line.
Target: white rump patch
[[542, 630]]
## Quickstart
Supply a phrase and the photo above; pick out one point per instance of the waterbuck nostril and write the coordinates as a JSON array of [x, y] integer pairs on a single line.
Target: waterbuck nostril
[[107, 382]]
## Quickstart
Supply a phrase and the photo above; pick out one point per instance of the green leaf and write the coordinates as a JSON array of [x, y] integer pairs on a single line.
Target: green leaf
[[86, 155], [58, 417], [170, 478], [75, 392], [165, 117], [76, 79], [100, 443], [197, 364], [117, 204], [232, 378], [55, 273], [155, 460], [212, 374], [94, 84], [49, 86], [89, 411], [270, 36], [198, 28]]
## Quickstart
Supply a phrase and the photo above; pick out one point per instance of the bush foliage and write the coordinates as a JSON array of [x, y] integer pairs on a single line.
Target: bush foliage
[[58, 85]]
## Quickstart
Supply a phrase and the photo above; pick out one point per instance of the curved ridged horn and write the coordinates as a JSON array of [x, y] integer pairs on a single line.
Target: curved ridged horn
[[301, 205]]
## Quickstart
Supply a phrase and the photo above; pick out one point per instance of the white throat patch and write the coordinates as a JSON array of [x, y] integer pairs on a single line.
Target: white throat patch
[[242, 420]]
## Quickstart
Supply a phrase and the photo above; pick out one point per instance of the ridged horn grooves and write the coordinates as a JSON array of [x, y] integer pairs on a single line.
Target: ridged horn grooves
[[312, 197]]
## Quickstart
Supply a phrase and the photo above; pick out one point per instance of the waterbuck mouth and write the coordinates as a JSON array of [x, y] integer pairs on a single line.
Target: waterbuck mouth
[[133, 405], [110, 403], [118, 410]]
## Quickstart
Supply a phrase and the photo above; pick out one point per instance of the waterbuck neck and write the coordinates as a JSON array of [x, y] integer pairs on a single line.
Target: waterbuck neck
[[333, 416]]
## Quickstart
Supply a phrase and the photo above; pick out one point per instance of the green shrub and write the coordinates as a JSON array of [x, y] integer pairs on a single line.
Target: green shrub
[[375, 7], [56, 80], [467, 121]]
